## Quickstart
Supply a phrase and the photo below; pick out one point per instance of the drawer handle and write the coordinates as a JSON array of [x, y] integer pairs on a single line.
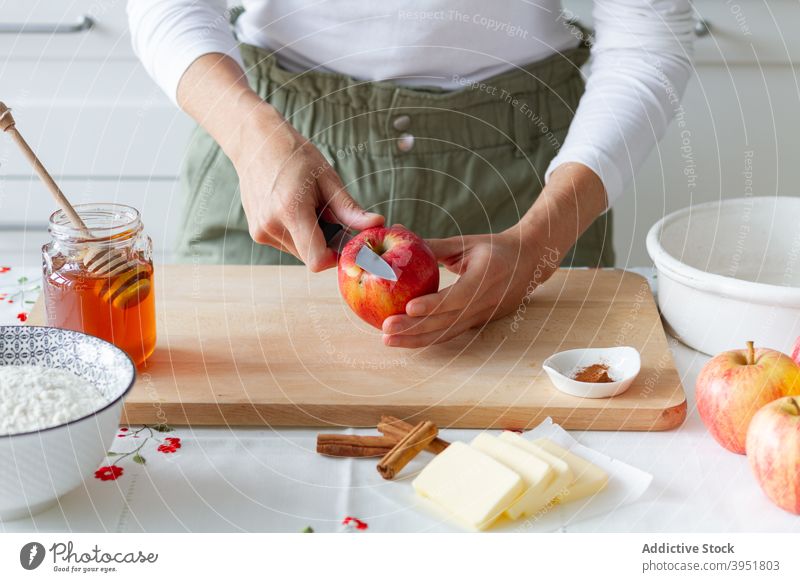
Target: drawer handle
[[85, 23], [701, 28]]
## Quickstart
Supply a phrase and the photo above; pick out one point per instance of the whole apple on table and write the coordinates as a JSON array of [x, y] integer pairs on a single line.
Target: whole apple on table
[[374, 299], [734, 385], [748, 400], [773, 449]]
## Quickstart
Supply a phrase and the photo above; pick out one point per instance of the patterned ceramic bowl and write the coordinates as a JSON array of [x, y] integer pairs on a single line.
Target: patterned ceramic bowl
[[36, 468]]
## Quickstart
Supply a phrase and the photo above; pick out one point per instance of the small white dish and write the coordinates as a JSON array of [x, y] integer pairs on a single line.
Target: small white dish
[[624, 364]]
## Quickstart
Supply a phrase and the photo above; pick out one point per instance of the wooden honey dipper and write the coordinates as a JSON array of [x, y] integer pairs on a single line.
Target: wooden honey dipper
[[108, 262]]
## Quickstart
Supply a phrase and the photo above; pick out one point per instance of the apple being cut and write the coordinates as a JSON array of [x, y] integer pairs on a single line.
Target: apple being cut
[[773, 449], [732, 387], [374, 299]]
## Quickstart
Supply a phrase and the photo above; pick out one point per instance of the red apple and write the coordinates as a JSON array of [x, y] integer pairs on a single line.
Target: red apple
[[374, 299], [732, 387], [773, 449], [796, 352]]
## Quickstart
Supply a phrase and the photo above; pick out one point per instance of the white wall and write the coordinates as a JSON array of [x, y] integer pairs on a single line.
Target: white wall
[[743, 101]]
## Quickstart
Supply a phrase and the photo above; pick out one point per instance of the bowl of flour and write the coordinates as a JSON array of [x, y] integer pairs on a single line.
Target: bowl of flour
[[61, 397]]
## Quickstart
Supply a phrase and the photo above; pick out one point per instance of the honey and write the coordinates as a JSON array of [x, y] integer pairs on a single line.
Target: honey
[[118, 307]]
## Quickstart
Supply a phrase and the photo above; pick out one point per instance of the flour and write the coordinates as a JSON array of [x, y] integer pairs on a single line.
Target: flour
[[34, 397]]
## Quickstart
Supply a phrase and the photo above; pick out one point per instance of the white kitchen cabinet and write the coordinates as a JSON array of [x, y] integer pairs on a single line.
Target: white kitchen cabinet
[[66, 30], [742, 131], [88, 120], [100, 125], [25, 206]]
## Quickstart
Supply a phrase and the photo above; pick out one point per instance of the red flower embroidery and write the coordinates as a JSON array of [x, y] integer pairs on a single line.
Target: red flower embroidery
[[170, 445], [355, 522], [123, 429], [22, 316], [5, 269], [108, 473]]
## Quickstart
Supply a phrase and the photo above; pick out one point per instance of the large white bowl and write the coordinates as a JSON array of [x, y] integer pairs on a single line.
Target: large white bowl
[[729, 272], [36, 468]]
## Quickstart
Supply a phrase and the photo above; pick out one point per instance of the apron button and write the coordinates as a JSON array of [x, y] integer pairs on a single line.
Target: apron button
[[402, 122], [405, 143]]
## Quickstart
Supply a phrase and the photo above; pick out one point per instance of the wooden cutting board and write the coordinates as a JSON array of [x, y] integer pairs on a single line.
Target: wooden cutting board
[[277, 346]]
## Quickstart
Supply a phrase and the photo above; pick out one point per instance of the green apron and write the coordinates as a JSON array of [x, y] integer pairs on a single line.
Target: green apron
[[442, 163]]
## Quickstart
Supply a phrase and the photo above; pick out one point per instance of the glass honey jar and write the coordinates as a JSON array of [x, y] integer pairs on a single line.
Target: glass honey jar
[[99, 280]]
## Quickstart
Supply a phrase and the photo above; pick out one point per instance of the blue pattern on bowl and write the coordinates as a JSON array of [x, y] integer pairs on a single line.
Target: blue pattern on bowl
[[104, 365]]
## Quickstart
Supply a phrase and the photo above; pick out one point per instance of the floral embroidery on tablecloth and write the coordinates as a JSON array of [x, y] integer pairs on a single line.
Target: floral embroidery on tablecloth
[[136, 441], [108, 473], [22, 294], [354, 524]]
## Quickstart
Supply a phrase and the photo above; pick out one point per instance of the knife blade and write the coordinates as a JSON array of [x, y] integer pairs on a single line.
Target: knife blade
[[336, 236], [373, 263]]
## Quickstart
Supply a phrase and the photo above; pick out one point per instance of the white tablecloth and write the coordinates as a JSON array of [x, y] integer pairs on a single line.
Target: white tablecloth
[[256, 479]]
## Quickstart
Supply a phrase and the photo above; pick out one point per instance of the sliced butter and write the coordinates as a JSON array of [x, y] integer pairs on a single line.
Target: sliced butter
[[537, 474], [588, 479], [472, 486], [558, 485]]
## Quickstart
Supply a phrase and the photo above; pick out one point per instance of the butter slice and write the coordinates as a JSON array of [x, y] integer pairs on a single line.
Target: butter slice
[[472, 486], [588, 479], [536, 473], [563, 473]]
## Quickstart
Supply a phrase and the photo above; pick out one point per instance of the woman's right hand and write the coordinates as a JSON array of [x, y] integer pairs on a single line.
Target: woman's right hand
[[286, 183]]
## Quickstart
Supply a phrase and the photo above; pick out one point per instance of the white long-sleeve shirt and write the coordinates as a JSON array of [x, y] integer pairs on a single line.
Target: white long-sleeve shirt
[[639, 69]]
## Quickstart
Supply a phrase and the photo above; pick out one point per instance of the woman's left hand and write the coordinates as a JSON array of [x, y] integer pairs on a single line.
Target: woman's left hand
[[497, 271]]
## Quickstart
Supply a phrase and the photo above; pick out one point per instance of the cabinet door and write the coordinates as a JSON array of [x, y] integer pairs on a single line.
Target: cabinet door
[[64, 31], [92, 119], [25, 207]]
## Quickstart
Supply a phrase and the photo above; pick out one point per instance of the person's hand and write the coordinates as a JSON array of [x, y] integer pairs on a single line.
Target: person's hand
[[496, 274], [499, 272], [285, 184]]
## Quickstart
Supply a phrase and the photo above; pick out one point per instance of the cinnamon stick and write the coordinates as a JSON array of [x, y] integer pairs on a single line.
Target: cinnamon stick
[[407, 448], [351, 445], [397, 429]]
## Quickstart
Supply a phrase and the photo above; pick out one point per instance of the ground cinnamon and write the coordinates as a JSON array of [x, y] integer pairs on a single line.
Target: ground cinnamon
[[350, 445], [406, 449], [397, 429], [597, 373]]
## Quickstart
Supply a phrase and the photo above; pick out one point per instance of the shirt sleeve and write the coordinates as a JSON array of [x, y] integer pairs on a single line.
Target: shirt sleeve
[[169, 35], [640, 66]]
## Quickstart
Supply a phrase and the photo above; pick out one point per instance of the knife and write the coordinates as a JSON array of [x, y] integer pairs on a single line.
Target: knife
[[336, 236]]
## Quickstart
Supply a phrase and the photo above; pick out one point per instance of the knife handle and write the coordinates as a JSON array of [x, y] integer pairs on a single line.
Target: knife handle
[[329, 229]]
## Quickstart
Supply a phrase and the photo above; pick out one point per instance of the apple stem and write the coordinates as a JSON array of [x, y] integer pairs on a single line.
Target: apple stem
[[796, 406], [751, 354]]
